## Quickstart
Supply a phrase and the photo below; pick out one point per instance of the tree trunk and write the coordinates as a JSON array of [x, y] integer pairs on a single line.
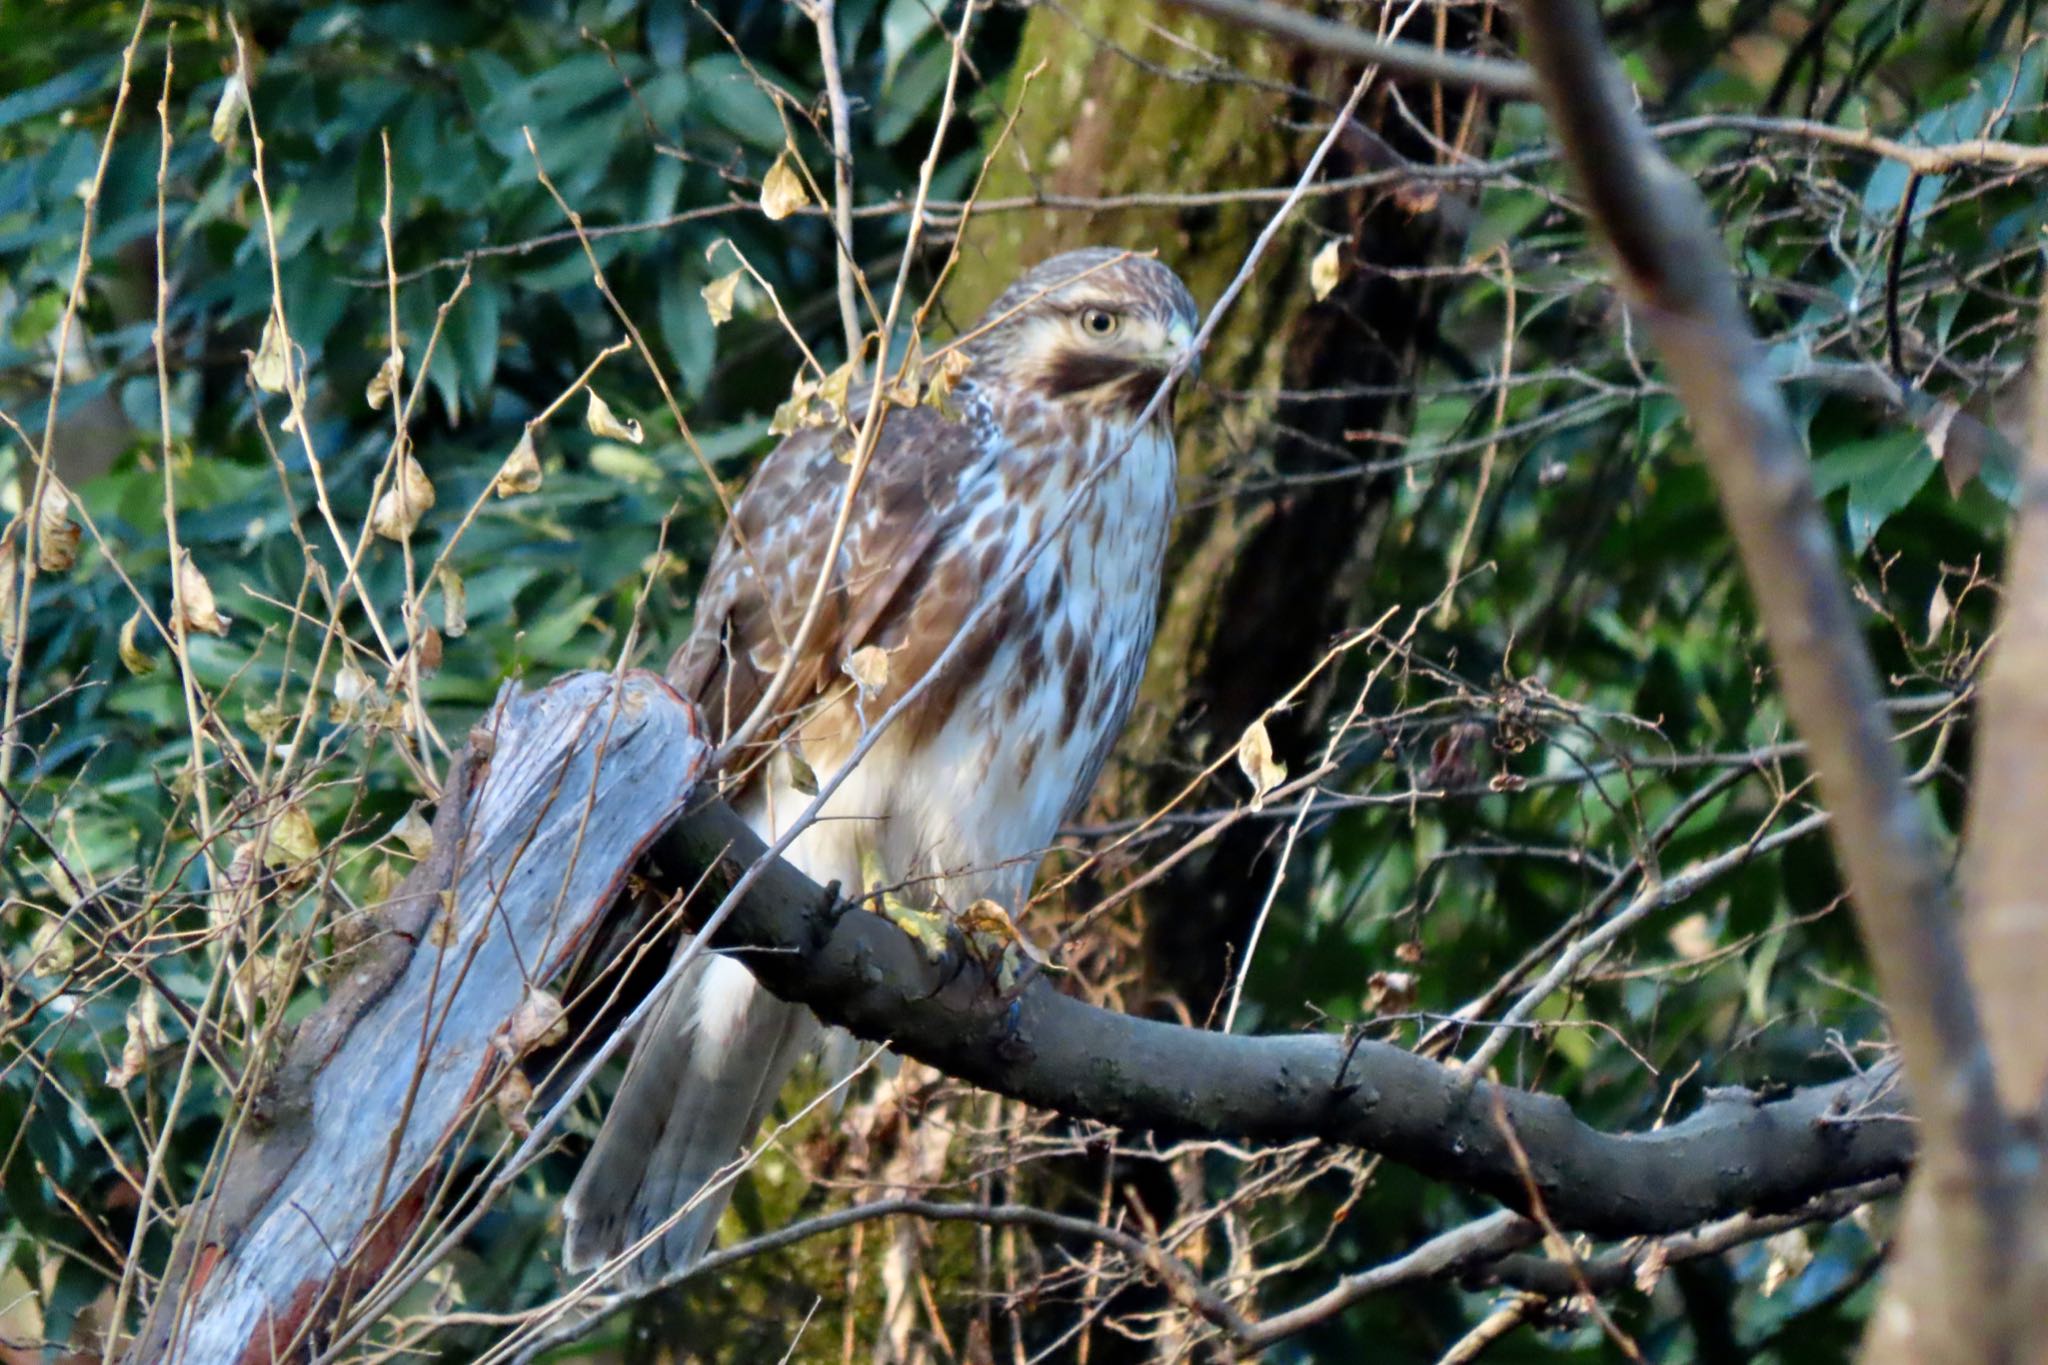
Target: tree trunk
[[1259, 581]]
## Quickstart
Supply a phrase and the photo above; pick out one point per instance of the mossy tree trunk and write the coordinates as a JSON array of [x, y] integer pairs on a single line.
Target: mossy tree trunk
[[1260, 580]]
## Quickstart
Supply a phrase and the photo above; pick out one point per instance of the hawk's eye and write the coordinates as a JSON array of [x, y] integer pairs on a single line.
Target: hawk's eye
[[1099, 322]]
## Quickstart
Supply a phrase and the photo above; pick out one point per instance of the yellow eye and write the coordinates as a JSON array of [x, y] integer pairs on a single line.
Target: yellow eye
[[1099, 322]]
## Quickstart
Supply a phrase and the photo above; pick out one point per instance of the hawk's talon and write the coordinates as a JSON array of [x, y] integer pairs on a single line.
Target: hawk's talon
[[927, 928]]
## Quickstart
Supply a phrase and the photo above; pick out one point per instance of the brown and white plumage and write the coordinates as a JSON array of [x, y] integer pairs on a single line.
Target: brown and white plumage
[[959, 799]]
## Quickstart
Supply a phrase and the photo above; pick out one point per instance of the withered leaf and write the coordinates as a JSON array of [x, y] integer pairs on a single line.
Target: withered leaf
[[268, 721], [602, 421], [782, 190], [538, 1022], [415, 833], [384, 384], [719, 295], [944, 377], [270, 366], [428, 651], [134, 1058], [195, 604], [798, 412], [1255, 758], [403, 504], [132, 656], [1326, 269], [292, 838], [56, 533], [512, 1098], [1390, 992], [521, 471], [454, 604], [228, 111], [868, 666]]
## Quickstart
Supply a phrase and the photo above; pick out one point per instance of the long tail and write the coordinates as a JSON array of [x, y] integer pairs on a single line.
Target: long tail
[[705, 1073]]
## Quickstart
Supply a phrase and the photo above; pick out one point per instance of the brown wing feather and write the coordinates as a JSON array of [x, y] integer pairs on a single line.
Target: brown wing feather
[[761, 576]]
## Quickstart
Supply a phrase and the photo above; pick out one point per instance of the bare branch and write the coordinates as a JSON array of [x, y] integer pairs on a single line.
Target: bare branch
[[860, 972], [1672, 263], [1508, 80]]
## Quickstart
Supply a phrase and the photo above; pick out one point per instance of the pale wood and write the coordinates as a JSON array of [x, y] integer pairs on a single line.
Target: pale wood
[[557, 796]]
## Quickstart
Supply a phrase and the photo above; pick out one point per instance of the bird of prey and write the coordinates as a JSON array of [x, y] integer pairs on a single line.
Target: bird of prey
[[960, 797]]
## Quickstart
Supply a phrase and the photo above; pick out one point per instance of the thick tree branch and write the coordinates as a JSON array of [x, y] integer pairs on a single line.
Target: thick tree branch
[[557, 798], [856, 970]]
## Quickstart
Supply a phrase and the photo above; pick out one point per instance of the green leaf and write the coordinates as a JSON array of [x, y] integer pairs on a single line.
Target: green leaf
[[55, 93], [1881, 476], [733, 101]]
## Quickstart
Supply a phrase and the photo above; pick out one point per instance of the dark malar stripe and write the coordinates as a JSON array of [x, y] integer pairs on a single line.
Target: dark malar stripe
[[1127, 384]]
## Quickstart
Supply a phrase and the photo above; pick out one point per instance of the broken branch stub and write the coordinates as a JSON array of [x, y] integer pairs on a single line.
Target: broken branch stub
[[556, 797]]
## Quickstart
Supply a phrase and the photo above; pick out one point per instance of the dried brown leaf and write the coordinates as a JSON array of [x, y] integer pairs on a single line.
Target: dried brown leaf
[[454, 605], [228, 110], [782, 190], [799, 411], [56, 533], [945, 376], [293, 840], [134, 1058], [268, 720], [539, 1021], [521, 471], [512, 1098], [1326, 269], [132, 656], [868, 666], [719, 296], [384, 384], [415, 833], [270, 365], [1958, 441], [1255, 758], [833, 389], [195, 604], [602, 421], [1390, 992], [407, 499], [427, 651]]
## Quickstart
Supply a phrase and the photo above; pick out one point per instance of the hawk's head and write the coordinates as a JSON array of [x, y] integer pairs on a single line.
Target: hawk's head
[[1096, 329]]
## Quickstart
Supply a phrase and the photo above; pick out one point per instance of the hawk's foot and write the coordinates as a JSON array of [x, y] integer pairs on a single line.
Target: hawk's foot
[[927, 928]]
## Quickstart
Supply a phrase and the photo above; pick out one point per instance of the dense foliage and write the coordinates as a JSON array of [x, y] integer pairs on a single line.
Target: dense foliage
[[1547, 699]]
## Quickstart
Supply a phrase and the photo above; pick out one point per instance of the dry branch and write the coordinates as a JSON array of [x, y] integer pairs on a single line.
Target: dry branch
[[556, 795], [1672, 263], [1506, 80]]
